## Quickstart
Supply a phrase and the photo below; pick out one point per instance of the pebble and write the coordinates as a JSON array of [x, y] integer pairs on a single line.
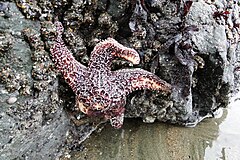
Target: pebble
[[12, 100]]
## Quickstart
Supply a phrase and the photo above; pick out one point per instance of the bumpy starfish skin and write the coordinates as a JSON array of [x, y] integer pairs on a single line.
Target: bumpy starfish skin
[[100, 91]]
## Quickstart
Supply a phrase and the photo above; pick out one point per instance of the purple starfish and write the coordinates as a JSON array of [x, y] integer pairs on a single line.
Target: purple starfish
[[100, 91]]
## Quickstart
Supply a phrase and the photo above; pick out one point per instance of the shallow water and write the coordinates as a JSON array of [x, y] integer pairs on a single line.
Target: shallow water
[[212, 139], [227, 143]]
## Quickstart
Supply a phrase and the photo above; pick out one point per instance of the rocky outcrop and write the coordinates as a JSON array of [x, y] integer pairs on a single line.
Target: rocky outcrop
[[197, 55]]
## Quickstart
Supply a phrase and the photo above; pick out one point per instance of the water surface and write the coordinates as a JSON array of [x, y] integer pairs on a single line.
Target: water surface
[[212, 139]]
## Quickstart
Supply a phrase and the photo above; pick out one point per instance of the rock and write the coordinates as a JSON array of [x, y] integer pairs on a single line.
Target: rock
[[12, 100], [149, 119], [197, 61], [36, 127]]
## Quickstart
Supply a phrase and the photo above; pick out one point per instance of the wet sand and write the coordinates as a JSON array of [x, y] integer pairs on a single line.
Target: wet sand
[[212, 139]]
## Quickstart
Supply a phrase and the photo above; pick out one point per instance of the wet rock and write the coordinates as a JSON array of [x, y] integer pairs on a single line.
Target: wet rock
[[12, 100], [197, 61], [180, 42], [33, 123]]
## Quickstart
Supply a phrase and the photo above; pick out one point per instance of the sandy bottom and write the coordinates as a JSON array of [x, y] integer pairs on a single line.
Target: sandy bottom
[[212, 139]]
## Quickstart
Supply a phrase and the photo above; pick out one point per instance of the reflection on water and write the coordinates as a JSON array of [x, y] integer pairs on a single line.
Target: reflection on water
[[227, 144], [211, 139]]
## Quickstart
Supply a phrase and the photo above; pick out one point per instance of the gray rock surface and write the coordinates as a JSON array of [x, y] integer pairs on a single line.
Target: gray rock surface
[[192, 45], [33, 122], [198, 62]]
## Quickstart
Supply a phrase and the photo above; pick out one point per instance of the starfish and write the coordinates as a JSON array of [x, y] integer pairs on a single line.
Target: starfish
[[100, 91]]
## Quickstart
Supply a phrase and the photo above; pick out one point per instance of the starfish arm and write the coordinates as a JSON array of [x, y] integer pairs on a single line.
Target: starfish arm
[[104, 52], [117, 121], [116, 116], [71, 69], [138, 79]]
